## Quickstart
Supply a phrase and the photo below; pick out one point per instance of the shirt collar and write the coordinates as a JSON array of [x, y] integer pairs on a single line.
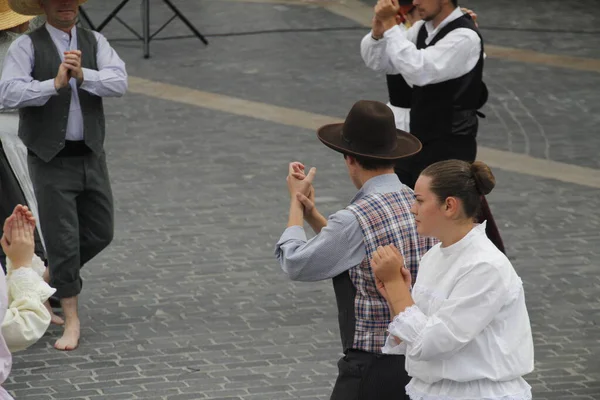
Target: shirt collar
[[379, 184], [478, 230], [59, 35], [431, 31]]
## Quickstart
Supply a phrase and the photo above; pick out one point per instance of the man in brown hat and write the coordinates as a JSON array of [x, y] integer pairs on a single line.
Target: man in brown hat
[[57, 76], [342, 249]]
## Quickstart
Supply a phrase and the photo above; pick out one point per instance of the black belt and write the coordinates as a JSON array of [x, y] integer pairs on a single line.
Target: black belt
[[73, 148]]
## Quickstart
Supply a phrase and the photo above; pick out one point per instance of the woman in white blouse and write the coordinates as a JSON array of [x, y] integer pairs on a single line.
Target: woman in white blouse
[[22, 291], [25, 319], [464, 326]]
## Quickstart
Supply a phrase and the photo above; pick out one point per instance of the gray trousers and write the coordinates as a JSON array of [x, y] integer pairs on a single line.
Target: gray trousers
[[76, 211]]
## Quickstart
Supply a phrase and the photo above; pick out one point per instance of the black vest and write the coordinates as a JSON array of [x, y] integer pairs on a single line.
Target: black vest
[[43, 129], [399, 91], [450, 107]]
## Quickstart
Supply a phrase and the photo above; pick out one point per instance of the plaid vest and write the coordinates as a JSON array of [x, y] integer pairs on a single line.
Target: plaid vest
[[384, 218]]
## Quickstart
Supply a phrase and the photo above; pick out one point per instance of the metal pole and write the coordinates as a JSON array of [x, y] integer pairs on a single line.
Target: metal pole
[[86, 18], [146, 22]]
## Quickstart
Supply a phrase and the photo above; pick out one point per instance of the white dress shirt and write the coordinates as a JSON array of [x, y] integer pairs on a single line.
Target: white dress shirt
[[401, 115], [396, 53], [18, 89], [468, 336]]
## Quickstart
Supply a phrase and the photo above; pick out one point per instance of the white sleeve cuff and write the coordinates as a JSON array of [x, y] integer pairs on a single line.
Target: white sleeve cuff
[[408, 325], [25, 282], [394, 33], [393, 347], [90, 76], [37, 265], [47, 88]]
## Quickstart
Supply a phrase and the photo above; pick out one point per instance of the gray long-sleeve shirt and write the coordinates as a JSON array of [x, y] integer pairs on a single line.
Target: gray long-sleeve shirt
[[337, 248]]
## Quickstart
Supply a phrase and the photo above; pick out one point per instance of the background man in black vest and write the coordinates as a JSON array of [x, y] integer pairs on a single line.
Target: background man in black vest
[[442, 58], [57, 76], [399, 92]]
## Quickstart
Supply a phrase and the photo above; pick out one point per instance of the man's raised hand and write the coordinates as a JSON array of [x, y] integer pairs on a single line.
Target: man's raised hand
[[297, 181]]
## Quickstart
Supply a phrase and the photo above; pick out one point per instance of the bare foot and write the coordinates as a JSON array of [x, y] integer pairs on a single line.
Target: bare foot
[[54, 319], [70, 339]]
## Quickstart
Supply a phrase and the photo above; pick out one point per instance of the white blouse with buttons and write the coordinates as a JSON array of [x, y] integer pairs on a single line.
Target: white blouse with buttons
[[468, 336]]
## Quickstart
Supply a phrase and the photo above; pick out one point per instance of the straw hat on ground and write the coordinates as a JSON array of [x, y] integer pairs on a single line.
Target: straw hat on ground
[[30, 7], [9, 19]]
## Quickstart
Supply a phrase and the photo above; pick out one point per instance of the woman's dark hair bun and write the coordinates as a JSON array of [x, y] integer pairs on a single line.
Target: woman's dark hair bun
[[484, 179]]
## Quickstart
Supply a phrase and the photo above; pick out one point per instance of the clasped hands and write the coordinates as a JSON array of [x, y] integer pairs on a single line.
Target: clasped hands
[[301, 188], [18, 237], [69, 68], [386, 16], [392, 278]]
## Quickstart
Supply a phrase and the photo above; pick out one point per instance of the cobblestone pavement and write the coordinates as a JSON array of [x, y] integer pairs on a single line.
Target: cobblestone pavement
[[189, 302]]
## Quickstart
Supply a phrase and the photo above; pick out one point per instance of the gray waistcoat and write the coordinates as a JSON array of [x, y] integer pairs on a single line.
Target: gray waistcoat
[[43, 129]]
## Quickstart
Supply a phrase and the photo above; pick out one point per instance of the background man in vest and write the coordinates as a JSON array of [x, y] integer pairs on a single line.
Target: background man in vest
[[399, 92], [441, 57], [57, 77], [342, 249]]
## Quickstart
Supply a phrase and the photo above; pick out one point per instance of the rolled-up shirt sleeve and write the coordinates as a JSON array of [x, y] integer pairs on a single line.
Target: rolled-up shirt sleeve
[[471, 306], [337, 248]]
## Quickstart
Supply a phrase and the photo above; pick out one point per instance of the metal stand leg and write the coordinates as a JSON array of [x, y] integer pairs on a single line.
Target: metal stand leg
[[146, 27], [185, 21], [112, 15], [86, 18]]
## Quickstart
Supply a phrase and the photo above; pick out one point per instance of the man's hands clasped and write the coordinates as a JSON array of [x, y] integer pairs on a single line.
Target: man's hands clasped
[[301, 188], [386, 17], [69, 68]]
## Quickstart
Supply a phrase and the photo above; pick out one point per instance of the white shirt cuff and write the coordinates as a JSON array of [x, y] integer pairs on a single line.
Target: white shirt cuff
[[47, 88], [393, 347], [408, 325], [25, 282], [90, 76], [393, 33], [373, 41]]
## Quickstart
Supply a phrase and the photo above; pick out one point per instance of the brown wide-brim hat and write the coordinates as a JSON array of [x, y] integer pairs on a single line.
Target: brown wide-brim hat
[[9, 19], [30, 7], [369, 131]]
